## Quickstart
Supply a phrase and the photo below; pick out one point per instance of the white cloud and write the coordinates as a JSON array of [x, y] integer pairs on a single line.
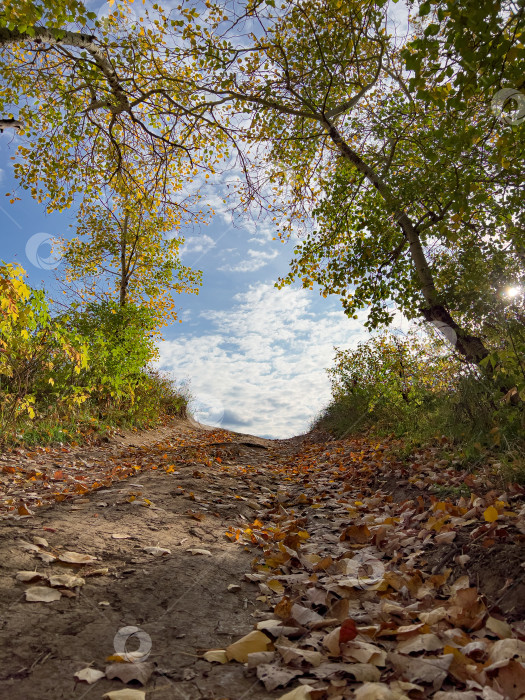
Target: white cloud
[[197, 244], [256, 260], [262, 364]]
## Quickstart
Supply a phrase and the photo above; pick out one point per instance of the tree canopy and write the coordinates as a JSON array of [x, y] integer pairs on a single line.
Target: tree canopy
[[373, 140]]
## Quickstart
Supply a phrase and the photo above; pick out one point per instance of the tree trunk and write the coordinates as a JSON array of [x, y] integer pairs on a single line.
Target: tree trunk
[[124, 268], [471, 347]]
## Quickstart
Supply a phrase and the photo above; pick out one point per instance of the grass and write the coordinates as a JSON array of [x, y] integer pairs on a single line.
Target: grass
[[157, 399], [470, 424]]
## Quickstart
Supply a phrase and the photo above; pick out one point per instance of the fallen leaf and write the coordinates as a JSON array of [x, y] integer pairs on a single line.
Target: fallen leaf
[[377, 691], [303, 692], [218, 655], [157, 551], [205, 552], [274, 676], [46, 557], [126, 694], [499, 627], [348, 631], [292, 654], [419, 642], [505, 649], [250, 643], [260, 657], [66, 580], [361, 672], [127, 672], [89, 675], [428, 669], [28, 576], [39, 594], [76, 558], [491, 514]]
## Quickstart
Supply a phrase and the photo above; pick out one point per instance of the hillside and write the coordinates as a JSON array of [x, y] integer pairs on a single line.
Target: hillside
[[368, 576]]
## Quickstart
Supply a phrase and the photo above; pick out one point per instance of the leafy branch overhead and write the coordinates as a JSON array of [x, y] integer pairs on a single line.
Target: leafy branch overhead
[[341, 127]]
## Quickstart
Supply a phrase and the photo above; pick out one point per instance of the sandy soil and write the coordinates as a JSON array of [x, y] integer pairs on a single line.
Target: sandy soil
[[180, 600]]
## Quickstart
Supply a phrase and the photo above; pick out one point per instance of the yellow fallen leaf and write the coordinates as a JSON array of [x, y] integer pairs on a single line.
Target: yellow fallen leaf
[[491, 514], [218, 655], [303, 692], [275, 586], [250, 643], [499, 627]]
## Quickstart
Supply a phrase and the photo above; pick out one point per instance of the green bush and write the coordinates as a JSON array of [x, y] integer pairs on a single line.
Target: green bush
[[411, 387], [81, 372]]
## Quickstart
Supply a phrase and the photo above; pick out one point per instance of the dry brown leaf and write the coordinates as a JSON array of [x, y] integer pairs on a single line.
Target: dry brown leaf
[[197, 550], [331, 642], [361, 672], [305, 616], [506, 649], [140, 672], [66, 581], [359, 534], [76, 558], [89, 675], [126, 694], [157, 551], [428, 669], [364, 653], [455, 695], [433, 616], [250, 643], [419, 642], [39, 594], [291, 654], [510, 680], [46, 557], [260, 657], [378, 691], [283, 609], [274, 676], [29, 576]]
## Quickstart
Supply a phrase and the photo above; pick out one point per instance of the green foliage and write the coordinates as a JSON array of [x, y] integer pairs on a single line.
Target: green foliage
[[124, 251], [40, 358], [408, 386], [393, 370], [464, 46], [120, 345], [77, 373]]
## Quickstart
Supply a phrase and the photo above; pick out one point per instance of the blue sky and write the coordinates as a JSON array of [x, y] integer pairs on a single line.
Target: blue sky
[[254, 357]]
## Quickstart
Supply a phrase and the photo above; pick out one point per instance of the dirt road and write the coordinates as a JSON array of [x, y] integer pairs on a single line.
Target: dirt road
[[357, 574]]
